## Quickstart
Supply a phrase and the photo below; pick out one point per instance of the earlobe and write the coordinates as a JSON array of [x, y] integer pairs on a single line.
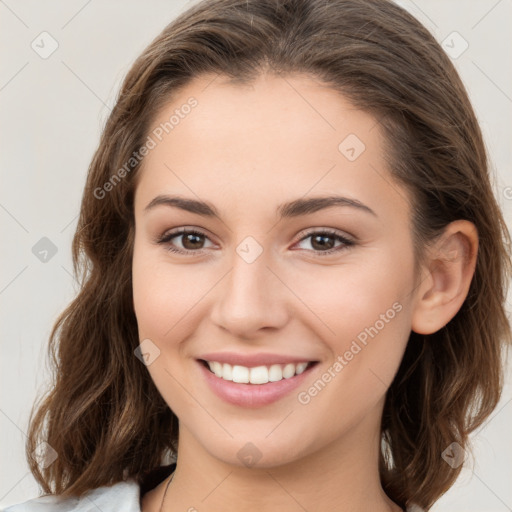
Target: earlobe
[[449, 270]]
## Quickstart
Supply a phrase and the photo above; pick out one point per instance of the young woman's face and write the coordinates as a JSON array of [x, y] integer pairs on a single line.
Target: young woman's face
[[279, 273]]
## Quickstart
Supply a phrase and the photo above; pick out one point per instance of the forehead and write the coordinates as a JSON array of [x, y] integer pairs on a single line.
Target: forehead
[[274, 138]]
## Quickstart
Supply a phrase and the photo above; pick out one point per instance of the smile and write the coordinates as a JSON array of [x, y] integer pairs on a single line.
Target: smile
[[251, 387], [257, 374]]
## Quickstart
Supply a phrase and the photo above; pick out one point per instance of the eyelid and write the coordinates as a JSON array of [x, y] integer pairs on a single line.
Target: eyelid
[[330, 231]]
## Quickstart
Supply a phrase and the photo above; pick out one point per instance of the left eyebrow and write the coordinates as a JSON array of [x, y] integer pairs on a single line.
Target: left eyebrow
[[314, 204], [291, 209]]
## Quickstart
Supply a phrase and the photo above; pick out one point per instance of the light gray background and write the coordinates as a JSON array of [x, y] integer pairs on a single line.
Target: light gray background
[[53, 110]]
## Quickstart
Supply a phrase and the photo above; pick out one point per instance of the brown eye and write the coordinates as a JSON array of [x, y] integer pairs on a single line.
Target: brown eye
[[323, 242], [191, 241]]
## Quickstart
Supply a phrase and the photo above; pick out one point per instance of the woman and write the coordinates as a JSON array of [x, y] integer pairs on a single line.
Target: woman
[[293, 273]]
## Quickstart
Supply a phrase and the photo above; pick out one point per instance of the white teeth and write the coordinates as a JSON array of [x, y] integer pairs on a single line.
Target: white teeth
[[275, 373], [227, 372], [240, 374], [301, 367], [257, 374], [216, 368], [288, 371]]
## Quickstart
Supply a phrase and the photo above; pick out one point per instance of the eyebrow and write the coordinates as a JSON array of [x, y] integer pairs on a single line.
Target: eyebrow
[[294, 208]]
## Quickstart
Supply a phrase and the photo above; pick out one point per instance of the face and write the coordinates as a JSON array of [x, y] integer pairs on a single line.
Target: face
[[313, 281]]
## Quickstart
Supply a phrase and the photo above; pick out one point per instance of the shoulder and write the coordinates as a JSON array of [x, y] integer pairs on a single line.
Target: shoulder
[[125, 496], [121, 496]]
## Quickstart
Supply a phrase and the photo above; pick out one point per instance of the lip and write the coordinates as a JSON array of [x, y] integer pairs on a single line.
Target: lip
[[252, 360], [252, 395]]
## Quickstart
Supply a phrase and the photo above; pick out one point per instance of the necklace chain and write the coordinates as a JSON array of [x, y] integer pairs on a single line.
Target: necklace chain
[[165, 493]]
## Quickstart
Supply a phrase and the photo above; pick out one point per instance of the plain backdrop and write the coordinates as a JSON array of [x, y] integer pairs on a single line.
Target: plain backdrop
[[53, 108]]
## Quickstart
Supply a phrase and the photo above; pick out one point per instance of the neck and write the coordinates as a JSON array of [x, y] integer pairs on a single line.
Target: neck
[[342, 476]]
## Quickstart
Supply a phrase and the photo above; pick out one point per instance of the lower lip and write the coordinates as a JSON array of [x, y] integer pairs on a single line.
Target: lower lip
[[252, 395]]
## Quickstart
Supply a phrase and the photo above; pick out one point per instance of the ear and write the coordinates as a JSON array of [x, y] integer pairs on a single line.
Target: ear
[[446, 278]]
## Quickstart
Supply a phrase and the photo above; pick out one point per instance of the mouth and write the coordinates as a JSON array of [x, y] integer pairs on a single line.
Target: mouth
[[256, 375], [252, 387]]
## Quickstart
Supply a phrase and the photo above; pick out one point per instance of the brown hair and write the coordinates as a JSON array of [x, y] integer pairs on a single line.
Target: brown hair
[[104, 416]]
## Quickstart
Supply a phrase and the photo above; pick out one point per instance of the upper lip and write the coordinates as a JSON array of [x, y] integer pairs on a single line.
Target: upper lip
[[252, 360]]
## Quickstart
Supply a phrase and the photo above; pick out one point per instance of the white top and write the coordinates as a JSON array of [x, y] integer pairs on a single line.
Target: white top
[[123, 496]]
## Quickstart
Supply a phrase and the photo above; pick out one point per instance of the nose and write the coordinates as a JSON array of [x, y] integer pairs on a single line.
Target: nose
[[251, 298]]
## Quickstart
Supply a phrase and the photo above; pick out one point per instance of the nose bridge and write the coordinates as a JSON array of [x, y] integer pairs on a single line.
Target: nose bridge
[[250, 298]]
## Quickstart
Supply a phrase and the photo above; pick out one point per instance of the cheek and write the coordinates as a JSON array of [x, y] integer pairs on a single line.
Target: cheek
[[349, 299], [163, 297], [364, 316], [164, 294], [366, 354]]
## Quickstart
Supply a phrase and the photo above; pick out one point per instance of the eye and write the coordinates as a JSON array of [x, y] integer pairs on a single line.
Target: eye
[[324, 240], [191, 240]]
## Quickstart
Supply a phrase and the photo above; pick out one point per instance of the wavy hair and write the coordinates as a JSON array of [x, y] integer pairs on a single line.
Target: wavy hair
[[103, 414]]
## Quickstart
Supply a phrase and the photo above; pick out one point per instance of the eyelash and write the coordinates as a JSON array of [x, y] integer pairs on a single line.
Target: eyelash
[[166, 238]]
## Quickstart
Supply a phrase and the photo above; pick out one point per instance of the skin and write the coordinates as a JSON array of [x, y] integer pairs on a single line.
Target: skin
[[246, 150]]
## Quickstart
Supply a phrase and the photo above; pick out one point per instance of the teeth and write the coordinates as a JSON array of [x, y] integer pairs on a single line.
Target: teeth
[[301, 367], [275, 373], [257, 374], [240, 374], [227, 372]]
